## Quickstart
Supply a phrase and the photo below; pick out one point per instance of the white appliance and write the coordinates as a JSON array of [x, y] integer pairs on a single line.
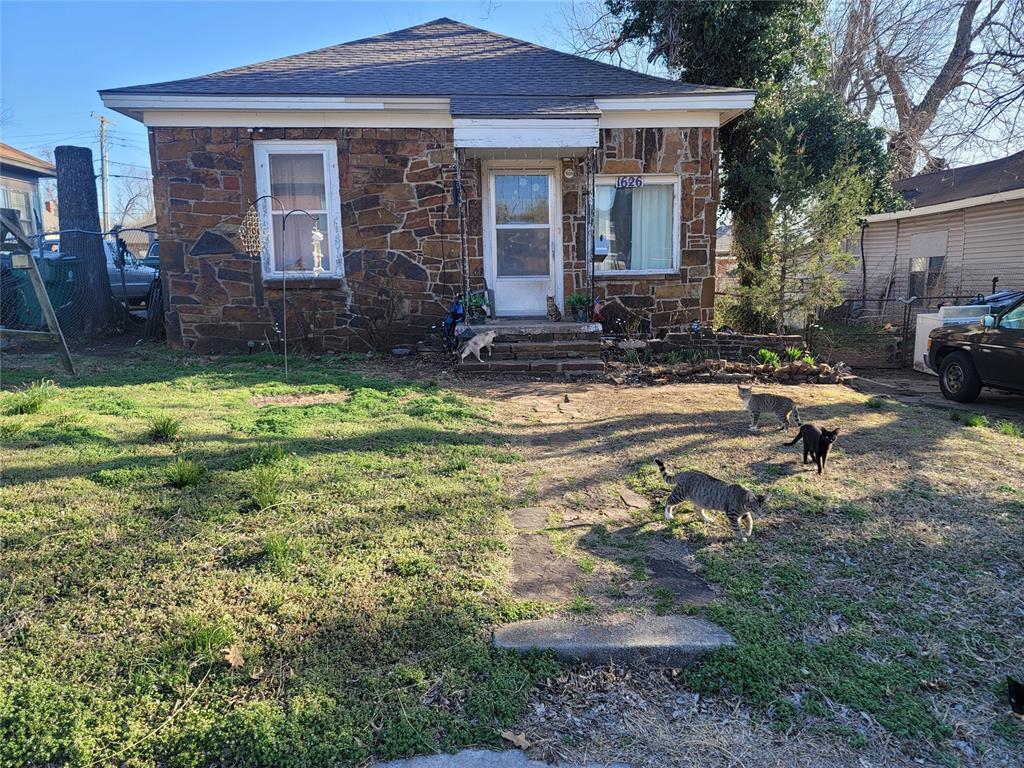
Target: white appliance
[[951, 315]]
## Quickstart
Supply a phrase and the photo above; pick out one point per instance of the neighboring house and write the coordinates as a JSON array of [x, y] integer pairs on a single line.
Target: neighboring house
[[374, 137], [726, 279], [138, 236], [20, 174], [965, 229]]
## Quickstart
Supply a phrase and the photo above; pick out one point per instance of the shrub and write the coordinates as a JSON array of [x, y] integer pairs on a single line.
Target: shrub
[[185, 473], [767, 357], [1009, 428], [792, 354], [265, 485], [875, 402], [578, 299], [31, 398], [163, 429], [809, 359], [976, 420]]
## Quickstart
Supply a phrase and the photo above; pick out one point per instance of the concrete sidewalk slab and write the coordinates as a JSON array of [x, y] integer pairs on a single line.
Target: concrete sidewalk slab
[[672, 640], [482, 758]]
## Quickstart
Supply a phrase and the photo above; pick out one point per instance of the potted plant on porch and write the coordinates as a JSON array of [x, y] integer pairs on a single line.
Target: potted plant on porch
[[579, 302], [475, 306]]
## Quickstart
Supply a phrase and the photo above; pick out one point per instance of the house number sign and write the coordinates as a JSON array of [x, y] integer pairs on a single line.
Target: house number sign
[[629, 182]]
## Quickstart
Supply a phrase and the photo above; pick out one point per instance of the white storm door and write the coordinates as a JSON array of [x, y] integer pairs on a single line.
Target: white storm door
[[522, 238]]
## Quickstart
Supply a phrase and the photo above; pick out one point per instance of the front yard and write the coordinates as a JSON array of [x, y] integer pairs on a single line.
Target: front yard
[[342, 535], [305, 574]]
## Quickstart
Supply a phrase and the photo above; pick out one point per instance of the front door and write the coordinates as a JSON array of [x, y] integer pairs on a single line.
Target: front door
[[521, 265]]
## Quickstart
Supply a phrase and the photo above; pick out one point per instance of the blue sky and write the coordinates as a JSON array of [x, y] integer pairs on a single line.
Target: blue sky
[[54, 56]]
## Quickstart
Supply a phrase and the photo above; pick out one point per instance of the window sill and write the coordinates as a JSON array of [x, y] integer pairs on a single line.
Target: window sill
[[612, 274], [302, 281]]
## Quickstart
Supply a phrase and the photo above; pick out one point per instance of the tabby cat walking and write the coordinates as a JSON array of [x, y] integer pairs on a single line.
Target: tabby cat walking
[[707, 492], [781, 406]]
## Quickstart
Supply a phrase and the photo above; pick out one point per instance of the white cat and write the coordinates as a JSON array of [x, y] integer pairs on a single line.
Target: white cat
[[477, 344]]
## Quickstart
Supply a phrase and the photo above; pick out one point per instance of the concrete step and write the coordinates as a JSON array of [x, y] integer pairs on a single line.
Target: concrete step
[[532, 350], [671, 640], [535, 365]]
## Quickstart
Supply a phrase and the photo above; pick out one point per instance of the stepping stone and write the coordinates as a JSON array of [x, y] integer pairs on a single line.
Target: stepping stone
[[634, 499], [482, 758], [538, 573], [529, 518], [671, 640], [685, 585]]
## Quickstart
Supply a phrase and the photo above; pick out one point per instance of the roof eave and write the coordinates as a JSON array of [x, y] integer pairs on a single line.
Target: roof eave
[[952, 205]]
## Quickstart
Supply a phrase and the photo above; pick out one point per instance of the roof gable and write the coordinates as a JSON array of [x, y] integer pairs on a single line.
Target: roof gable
[[26, 162], [442, 58]]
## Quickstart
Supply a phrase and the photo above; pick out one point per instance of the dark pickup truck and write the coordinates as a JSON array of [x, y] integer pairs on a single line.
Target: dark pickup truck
[[990, 354]]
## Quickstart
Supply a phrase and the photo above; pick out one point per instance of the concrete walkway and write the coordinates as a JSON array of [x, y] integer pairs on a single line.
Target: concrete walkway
[[916, 388], [482, 758]]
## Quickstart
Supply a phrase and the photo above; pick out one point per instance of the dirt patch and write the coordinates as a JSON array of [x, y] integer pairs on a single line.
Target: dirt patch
[[322, 398]]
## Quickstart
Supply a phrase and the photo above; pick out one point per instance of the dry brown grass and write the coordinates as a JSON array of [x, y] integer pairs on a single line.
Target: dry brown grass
[[897, 573]]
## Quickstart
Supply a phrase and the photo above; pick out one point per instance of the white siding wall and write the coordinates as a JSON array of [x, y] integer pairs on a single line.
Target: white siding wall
[[981, 243], [994, 247]]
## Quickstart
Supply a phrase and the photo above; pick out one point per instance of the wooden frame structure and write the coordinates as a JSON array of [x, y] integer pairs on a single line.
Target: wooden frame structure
[[21, 258]]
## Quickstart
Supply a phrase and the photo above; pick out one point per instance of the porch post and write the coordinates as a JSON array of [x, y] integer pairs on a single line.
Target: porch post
[[462, 224]]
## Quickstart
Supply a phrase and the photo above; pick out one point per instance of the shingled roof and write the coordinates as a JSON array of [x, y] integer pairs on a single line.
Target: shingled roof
[[960, 183], [442, 58]]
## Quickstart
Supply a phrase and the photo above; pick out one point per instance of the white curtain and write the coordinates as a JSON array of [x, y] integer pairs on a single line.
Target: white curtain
[[652, 227]]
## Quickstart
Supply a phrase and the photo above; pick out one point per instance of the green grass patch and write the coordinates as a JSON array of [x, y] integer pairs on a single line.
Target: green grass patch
[[164, 428], [361, 607], [1009, 428], [31, 398], [185, 473]]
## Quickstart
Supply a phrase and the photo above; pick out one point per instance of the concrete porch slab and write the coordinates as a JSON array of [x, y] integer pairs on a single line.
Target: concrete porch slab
[[672, 640]]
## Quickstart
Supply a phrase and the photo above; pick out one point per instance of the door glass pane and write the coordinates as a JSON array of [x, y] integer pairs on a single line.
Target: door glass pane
[[294, 251], [298, 180], [521, 199], [523, 252]]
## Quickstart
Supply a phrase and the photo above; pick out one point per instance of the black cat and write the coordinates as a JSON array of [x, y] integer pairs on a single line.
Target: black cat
[[816, 443]]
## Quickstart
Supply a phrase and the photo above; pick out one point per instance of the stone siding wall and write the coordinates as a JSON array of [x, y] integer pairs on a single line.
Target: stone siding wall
[[400, 229], [670, 300], [727, 346]]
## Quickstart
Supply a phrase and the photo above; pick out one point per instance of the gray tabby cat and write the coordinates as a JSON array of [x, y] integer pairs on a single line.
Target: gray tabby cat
[[765, 403], [707, 492]]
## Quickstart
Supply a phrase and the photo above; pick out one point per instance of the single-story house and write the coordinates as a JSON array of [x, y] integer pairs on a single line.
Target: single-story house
[[434, 158], [962, 235], [20, 174]]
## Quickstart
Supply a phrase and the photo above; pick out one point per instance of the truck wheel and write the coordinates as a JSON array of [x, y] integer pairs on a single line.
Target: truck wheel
[[958, 378]]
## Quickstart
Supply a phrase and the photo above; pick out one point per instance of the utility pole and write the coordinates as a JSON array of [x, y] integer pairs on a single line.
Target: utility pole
[[104, 169]]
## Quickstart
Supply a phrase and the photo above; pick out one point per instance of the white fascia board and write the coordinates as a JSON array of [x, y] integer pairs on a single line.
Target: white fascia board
[[953, 205], [513, 133], [239, 118], [667, 118], [712, 101], [139, 102]]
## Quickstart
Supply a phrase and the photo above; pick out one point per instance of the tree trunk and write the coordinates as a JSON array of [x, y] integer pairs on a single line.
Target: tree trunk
[[79, 209]]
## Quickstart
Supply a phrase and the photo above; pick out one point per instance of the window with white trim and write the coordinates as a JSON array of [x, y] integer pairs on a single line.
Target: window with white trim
[[303, 176], [638, 217]]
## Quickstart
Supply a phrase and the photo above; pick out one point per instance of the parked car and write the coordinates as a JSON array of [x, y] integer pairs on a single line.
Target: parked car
[[138, 278], [986, 354], [152, 257]]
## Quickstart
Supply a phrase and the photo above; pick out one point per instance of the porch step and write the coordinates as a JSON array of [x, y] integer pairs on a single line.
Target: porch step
[[534, 365], [554, 349]]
